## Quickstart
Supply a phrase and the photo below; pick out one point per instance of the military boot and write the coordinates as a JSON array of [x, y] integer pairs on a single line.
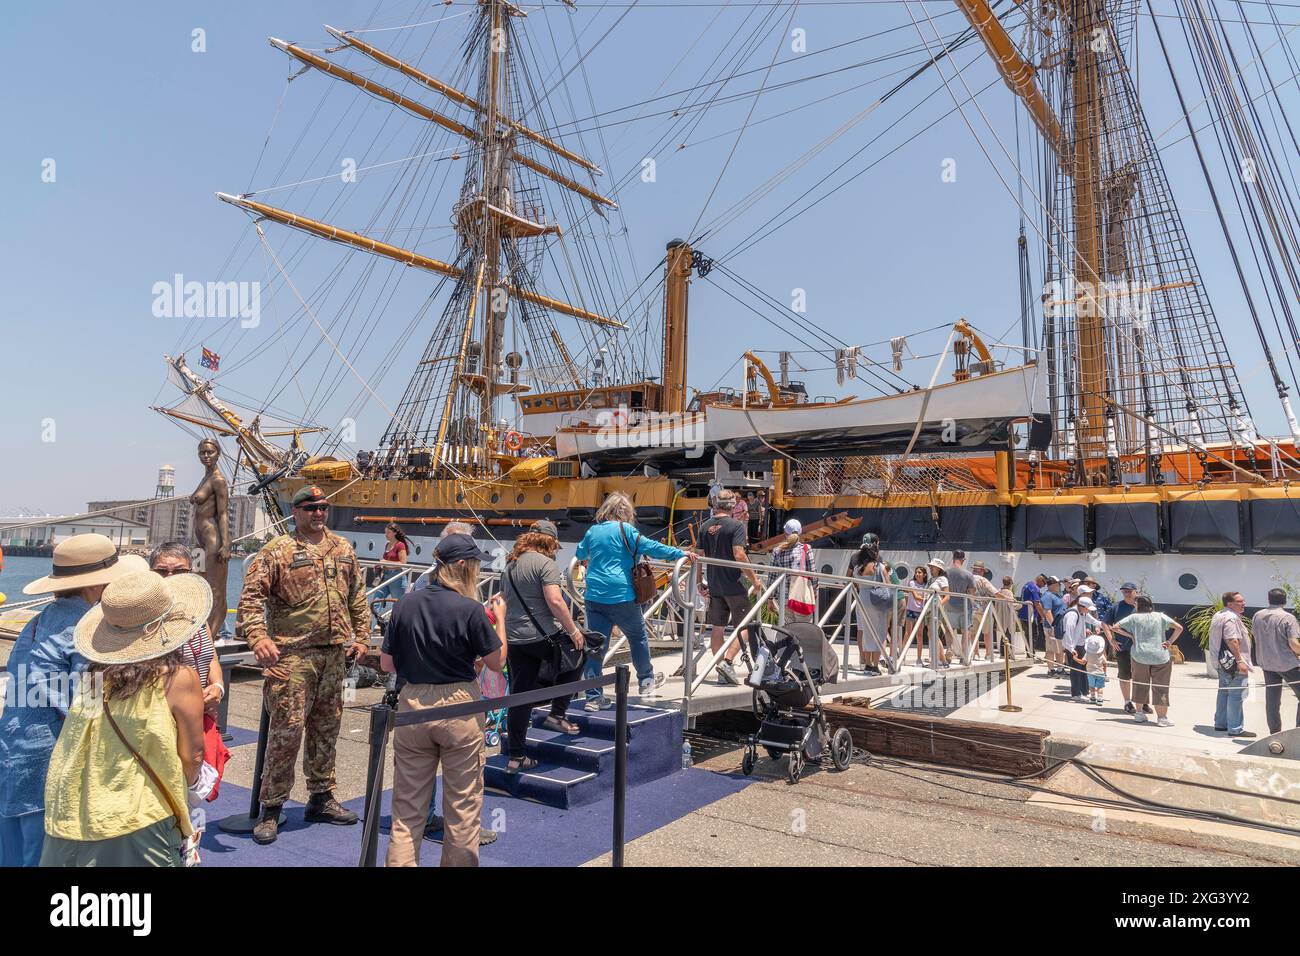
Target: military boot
[[323, 808], [268, 828]]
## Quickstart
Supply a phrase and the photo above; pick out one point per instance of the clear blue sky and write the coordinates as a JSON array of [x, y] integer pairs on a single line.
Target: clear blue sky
[[144, 130]]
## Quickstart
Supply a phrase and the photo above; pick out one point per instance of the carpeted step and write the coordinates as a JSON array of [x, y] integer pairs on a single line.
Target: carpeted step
[[549, 783], [579, 750], [579, 769]]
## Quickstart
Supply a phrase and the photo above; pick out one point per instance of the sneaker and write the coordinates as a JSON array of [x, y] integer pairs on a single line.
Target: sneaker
[[727, 674], [1164, 722], [595, 704], [650, 686], [1130, 707], [1146, 709], [323, 808], [268, 828], [1078, 697], [1243, 733], [1140, 718]]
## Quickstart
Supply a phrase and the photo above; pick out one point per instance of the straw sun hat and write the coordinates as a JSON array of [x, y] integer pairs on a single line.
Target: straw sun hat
[[142, 616], [83, 561]]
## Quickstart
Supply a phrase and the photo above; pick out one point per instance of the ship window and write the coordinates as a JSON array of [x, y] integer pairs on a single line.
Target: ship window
[[394, 497], [826, 569], [459, 498], [370, 546], [415, 496], [550, 403], [519, 499], [496, 498], [546, 498], [563, 401], [418, 549], [1188, 581]]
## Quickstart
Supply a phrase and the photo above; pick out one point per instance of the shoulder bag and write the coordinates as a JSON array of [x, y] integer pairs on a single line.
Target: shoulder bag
[[643, 576], [563, 657], [803, 596]]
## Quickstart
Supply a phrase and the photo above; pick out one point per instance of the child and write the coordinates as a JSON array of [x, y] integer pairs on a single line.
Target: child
[[1094, 656]]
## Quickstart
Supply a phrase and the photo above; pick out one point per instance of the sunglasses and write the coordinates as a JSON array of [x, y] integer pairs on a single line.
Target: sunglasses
[[314, 508], [168, 572]]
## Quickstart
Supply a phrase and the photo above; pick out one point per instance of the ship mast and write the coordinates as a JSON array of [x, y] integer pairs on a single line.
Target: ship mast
[[445, 424]]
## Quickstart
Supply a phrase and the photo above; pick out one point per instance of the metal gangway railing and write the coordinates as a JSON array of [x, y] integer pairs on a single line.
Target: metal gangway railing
[[677, 611]]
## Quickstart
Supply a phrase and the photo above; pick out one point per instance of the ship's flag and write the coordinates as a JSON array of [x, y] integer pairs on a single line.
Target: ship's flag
[[211, 360]]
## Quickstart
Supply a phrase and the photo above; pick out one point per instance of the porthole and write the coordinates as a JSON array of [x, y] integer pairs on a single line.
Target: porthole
[[370, 546], [826, 569], [546, 498], [496, 498], [415, 496], [394, 497], [1188, 581], [418, 549], [519, 499], [459, 497]]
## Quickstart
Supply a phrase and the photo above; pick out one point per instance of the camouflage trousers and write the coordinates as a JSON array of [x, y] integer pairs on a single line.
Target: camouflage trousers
[[309, 700]]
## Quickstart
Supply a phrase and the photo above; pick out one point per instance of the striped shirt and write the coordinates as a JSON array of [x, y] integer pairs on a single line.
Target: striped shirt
[[198, 652]]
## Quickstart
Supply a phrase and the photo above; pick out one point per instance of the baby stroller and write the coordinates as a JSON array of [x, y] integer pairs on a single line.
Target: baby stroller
[[793, 662]]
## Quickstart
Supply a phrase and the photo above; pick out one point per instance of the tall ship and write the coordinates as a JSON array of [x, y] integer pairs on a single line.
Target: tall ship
[[1114, 439]]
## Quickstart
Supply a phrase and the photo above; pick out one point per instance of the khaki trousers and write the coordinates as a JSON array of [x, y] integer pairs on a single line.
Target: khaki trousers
[[455, 744]]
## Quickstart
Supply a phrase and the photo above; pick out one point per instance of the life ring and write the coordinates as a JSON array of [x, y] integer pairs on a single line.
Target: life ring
[[514, 440]]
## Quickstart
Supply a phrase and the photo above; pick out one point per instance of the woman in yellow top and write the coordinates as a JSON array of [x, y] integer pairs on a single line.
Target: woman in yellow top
[[135, 731]]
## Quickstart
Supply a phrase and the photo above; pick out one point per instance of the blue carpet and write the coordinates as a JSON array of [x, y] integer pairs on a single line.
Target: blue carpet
[[529, 834], [240, 736]]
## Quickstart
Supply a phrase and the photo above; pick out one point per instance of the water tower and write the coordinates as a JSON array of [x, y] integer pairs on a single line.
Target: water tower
[[166, 482]]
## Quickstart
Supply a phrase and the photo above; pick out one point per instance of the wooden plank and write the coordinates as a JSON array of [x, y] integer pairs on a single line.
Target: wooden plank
[[813, 531], [973, 744]]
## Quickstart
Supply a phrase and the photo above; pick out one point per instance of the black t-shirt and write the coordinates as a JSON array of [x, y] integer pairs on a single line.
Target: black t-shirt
[[718, 537], [435, 635]]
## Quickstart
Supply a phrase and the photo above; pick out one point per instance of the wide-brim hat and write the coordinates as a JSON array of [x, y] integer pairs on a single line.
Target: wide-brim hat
[[936, 563], [143, 615], [83, 561]]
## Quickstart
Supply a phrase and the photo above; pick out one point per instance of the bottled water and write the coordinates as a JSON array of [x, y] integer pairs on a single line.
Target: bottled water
[[686, 755]]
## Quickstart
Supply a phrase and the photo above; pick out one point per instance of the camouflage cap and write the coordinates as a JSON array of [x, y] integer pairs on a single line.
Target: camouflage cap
[[308, 494]]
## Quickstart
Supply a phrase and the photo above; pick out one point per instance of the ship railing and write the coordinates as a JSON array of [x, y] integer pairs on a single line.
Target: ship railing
[[681, 593]]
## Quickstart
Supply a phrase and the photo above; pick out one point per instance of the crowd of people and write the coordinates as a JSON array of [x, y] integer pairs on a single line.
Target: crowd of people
[[111, 744], [112, 777]]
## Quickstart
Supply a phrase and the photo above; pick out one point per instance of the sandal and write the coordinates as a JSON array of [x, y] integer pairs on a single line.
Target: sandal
[[561, 725], [521, 765]]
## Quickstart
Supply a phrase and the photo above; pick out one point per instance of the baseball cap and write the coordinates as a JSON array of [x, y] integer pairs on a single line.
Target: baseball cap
[[1128, 586], [545, 526], [1084, 602], [793, 526], [309, 494], [1084, 589], [459, 547]]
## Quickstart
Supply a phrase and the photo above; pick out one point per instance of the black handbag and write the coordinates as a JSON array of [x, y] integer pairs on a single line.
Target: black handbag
[[563, 657], [1227, 661], [643, 576]]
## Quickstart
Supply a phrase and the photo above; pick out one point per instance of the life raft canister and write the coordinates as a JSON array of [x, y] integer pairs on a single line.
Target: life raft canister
[[514, 440]]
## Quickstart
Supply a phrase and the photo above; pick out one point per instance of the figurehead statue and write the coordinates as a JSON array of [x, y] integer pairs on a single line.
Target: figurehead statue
[[211, 523]]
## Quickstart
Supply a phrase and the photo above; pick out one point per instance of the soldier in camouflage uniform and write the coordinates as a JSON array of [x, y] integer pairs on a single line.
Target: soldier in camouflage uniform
[[302, 611]]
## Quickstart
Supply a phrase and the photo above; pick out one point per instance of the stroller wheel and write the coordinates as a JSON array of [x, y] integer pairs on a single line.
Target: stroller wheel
[[493, 738], [747, 761], [794, 766], [841, 748]]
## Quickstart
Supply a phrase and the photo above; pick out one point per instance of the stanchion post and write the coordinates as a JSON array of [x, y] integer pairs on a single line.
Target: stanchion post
[[622, 681], [236, 823], [381, 722], [1006, 656]]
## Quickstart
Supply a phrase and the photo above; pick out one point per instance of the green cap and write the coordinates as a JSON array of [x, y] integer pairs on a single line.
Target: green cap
[[308, 494]]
